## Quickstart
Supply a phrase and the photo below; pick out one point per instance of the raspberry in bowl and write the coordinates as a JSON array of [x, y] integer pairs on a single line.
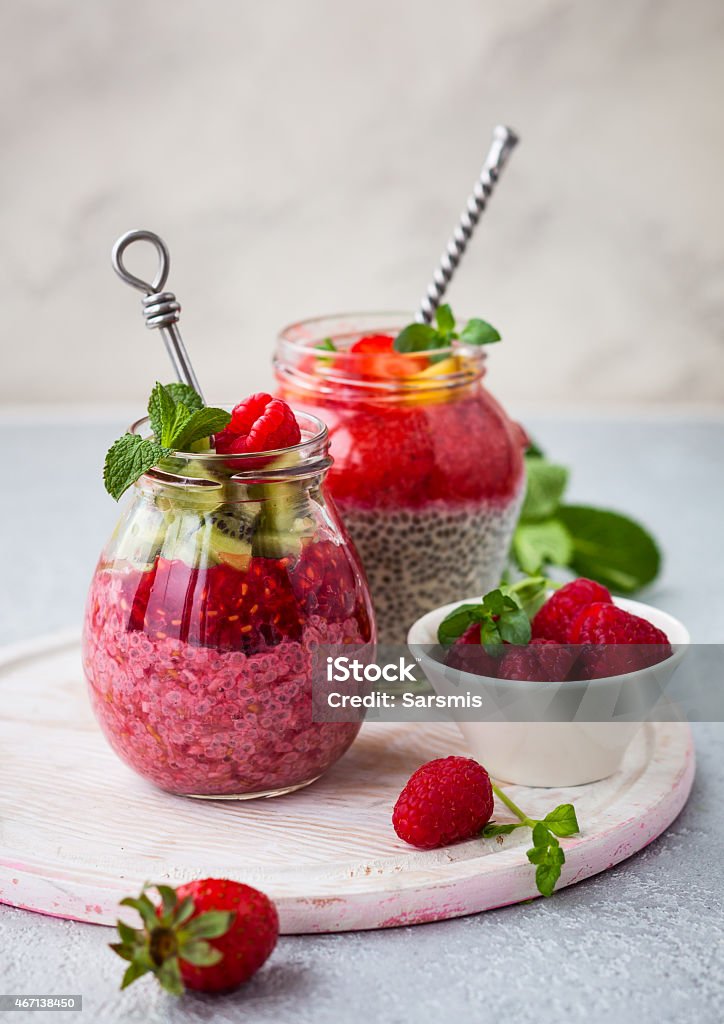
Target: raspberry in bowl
[[428, 472], [228, 570], [552, 710]]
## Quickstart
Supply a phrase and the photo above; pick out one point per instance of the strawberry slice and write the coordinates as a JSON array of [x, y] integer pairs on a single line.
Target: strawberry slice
[[382, 359]]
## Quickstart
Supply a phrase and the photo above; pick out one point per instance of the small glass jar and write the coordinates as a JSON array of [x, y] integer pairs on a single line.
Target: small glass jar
[[222, 579], [428, 472]]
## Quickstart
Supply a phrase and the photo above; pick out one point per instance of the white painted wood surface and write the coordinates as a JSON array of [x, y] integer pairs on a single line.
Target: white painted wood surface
[[78, 830]]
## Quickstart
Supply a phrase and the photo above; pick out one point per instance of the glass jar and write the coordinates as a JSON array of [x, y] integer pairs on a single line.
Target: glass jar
[[428, 472], [222, 579]]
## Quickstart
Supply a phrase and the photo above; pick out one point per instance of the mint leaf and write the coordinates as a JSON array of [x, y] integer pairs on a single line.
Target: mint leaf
[[479, 332], [536, 545], [172, 430], [610, 547], [185, 393], [562, 821], [545, 484], [494, 602], [514, 626], [444, 319], [541, 836], [417, 338], [327, 345], [161, 407], [491, 829], [197, 425], [457, 621], [546, 852], [548, 873], [548, 857], [530, 593], [128, 459], [500, 616]]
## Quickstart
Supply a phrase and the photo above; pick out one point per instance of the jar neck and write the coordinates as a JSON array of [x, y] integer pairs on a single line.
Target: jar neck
[[313, 357]]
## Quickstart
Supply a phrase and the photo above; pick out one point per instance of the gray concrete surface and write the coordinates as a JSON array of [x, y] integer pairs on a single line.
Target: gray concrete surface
[[643, 942]]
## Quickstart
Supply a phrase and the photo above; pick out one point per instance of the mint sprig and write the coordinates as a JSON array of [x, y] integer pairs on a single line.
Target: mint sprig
[[128, 459], [546, 853], [178, 418], [604, 545], [500, 614], [425, 337]]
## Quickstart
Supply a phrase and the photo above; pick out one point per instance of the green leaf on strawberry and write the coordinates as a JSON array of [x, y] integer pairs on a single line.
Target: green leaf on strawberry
[[168, 936]]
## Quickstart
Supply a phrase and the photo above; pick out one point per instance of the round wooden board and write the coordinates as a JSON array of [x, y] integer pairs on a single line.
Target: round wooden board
[[78, 830]]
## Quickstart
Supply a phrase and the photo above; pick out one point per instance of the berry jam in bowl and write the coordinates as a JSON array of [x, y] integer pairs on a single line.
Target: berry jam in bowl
[[228, 570], [545, 705], [428, 472]]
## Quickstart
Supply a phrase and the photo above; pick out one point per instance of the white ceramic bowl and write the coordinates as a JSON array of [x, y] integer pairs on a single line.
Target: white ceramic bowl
[[552, 753]]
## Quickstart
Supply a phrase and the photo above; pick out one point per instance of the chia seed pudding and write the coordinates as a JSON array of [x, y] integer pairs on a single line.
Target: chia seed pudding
[[209, 720], [408, 555]]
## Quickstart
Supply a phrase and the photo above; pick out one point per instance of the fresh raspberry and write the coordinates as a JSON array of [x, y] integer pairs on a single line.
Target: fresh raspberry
[[259, 424], [444, 801], [468, 654], [553, 621], [539, 661], [616, 642]]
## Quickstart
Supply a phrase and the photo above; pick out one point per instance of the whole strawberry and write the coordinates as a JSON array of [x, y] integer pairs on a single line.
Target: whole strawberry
[[539, 661], [444, 801], [553, 621], [210, 935], [616, 641]]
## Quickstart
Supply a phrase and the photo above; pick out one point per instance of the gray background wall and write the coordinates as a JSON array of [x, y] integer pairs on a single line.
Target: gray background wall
[[306, 156]]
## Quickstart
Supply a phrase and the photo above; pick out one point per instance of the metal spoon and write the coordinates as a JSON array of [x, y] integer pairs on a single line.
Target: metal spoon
[[160, 308]]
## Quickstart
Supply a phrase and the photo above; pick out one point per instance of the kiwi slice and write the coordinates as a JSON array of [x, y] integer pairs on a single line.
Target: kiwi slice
[[281, 521], [229, 537]]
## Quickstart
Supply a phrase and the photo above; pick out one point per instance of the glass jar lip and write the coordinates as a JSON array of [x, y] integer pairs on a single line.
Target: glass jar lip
[[299, 338], [316, 431]]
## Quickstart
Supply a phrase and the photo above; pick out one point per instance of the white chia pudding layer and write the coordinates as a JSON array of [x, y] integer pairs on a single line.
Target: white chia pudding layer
[[419, 558]]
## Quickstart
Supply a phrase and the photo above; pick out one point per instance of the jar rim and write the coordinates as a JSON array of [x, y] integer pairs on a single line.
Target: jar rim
[[297, 339], [316, 431]]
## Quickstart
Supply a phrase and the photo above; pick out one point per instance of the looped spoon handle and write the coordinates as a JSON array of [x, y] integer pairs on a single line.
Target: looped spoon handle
[[160, 309]]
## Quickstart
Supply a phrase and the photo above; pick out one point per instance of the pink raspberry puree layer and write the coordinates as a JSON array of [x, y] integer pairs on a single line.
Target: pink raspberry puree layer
[[203, 721]]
